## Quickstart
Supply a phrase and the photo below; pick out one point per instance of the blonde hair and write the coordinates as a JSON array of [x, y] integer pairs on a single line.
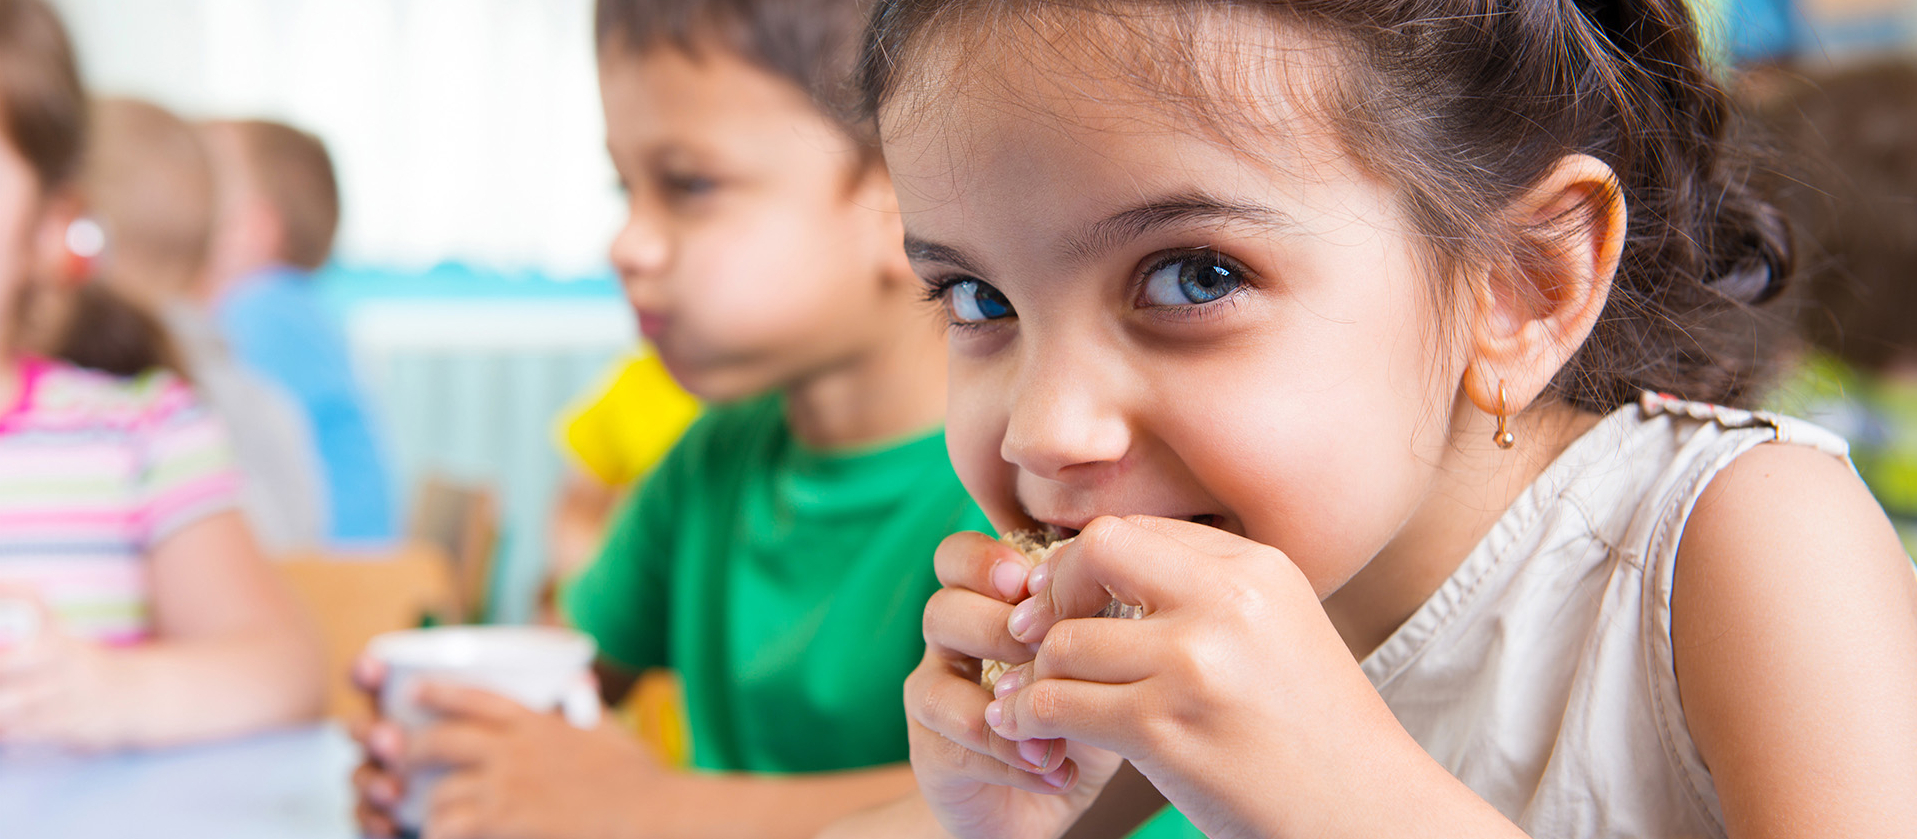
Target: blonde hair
[[291, 169], [150, 186]]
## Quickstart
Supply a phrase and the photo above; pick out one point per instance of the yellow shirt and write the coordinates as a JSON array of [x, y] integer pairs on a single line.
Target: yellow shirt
[[619, 431]]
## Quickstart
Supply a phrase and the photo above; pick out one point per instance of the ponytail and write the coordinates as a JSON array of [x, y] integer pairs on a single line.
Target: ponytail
[[43, 111], [110, 333]]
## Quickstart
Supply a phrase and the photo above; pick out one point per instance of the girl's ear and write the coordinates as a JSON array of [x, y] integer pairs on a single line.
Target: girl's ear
[[55, 258], [1534, 311]]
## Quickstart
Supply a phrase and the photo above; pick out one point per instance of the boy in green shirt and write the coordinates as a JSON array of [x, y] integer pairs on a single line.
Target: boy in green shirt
[[781, 556]]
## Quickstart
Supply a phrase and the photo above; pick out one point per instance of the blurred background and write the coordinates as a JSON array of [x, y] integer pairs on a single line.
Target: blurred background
[[469, 273]]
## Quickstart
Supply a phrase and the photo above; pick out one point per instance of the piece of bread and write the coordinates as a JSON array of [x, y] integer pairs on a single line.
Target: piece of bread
[[1040, 546]]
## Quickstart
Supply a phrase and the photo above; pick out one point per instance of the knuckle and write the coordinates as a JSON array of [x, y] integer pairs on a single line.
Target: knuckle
[[1101, 534], [1062, 642], [1044, 702]]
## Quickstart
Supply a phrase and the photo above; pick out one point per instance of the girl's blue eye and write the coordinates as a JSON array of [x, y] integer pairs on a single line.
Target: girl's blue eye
[[972, 301], [1187, 281]]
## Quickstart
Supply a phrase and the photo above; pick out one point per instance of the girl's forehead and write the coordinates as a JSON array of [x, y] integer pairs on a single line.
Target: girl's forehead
[[1240, 82]]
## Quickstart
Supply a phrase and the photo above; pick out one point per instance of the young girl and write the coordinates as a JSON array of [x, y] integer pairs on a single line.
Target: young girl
[[776, 559], [1371, 348], [142, 614]]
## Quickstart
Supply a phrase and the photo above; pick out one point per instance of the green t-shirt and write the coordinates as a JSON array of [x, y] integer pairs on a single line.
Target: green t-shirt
[[786, 585]]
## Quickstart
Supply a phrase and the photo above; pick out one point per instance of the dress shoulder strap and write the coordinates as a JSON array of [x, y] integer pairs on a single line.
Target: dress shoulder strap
[[1708, 438]]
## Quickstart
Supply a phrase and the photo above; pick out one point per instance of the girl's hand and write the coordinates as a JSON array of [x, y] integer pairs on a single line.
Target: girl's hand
[[1234, 694], [976, 782], [57, 689]]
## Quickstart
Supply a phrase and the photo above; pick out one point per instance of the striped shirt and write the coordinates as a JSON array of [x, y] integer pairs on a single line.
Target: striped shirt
[[95, 472]]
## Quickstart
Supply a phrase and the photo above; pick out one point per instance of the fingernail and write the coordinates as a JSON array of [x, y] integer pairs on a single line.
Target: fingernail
[[383, 792], [1008, 683], [384, 741], [1009, 579], [1035, 579], [1036, 752], [995, 715], [1023, 615], [1059, 777]]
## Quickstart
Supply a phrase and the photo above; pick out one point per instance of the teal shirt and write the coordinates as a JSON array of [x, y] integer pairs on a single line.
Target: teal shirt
[[786, 585]]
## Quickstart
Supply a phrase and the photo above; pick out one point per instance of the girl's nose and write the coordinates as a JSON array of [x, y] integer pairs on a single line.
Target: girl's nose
[[1065, 420]]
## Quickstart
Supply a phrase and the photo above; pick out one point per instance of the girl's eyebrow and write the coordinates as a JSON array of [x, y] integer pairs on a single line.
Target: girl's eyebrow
[[1173, 211], [919, 250], [1180, 210]]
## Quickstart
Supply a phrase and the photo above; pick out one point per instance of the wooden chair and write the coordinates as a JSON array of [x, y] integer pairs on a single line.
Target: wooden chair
[[462, 520], [355, 597]]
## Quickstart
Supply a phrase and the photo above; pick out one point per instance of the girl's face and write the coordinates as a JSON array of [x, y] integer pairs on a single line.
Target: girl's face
[[1146, 320], [755, 250], [21, 223]]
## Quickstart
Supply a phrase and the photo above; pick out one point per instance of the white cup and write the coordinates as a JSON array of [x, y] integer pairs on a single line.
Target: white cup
[[542, 668]]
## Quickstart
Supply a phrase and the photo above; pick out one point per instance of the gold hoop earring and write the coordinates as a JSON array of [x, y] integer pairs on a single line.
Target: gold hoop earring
[[1503, 437]]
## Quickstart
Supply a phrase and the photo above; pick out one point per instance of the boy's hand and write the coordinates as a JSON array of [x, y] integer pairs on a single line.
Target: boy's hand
[[1235, 695], [56, 688], [976, 782], [519, 774]]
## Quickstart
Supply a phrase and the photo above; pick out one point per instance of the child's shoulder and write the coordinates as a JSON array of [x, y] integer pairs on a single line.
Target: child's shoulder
[[66, 397]]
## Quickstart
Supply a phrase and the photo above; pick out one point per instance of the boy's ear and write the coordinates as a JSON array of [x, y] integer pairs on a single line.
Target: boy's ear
[[873, 191], [1535, 308]]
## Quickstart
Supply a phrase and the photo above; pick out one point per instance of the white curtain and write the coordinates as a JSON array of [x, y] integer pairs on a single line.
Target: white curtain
[[462, 129]]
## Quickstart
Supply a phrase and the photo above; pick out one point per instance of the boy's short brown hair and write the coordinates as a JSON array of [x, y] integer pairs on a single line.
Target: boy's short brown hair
[[811, 43], [291, 169], [151, 188]]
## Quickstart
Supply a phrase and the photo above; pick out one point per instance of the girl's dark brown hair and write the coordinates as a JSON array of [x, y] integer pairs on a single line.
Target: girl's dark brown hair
[[1463, 105], [44, 111], [811, 43]]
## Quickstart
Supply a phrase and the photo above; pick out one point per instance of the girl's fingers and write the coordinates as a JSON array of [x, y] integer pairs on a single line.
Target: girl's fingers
[[972, 626], [980, 563], [1140, 560], [951, 706], [982, 768], [1096, 714], [1106, 650]]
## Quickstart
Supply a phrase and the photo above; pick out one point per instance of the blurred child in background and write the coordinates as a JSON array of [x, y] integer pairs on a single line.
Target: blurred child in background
[[277, 207], [149, 186], [779, 558], [1856, 203], [150, 616]]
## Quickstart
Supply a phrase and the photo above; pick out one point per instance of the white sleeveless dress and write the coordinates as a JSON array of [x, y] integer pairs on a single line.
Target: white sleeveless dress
[[1541, 673]]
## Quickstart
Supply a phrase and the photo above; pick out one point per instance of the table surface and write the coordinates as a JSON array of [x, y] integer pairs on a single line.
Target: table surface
[[289, 784]]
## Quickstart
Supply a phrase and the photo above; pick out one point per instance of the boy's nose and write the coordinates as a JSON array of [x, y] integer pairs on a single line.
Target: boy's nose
[[642, 247], [1064, 421]]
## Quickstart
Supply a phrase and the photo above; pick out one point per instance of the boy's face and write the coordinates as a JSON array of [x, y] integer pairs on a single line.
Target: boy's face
[[1147, 320], [758, 246]]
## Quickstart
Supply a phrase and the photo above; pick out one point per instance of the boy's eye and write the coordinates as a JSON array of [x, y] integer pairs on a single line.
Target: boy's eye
[[972, 301], [1190, 280], [690, 185]]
